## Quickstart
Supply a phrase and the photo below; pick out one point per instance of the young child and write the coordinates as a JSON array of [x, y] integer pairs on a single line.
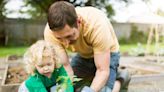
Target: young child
[[46, 74]]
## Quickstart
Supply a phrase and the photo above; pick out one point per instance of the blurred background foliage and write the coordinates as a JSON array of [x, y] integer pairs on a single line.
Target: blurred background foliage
[[39, 8]]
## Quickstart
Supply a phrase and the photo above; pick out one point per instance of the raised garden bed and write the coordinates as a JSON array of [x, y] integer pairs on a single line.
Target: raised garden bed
[[14, 75], [13, 59]]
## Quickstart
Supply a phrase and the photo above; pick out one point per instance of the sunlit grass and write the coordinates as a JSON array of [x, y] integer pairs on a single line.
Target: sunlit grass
[[5, 51], [152, 48], [127, 47]]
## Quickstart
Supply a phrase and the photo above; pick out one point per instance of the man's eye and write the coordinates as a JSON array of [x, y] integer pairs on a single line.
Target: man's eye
[[40, 66], [69, 36], [59, 38], [49, 64]]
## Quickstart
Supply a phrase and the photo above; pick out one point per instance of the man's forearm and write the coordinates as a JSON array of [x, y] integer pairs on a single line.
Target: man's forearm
[[99, 80], [69, 71]]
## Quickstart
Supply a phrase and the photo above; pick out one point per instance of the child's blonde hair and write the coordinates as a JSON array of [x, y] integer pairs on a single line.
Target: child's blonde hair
[[39, 50]]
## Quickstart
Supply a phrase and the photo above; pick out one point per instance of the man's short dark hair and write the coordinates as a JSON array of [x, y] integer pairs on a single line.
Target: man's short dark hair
[[61, 13]]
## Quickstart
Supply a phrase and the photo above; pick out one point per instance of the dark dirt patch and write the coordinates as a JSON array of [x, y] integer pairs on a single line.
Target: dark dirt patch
[[16, 75]]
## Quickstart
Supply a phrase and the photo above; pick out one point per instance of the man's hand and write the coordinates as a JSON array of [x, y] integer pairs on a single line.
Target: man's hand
[[87, 89]]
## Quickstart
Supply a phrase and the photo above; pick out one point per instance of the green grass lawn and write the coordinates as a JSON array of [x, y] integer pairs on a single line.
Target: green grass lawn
[[136, 49], [128, 47], [4, 51]]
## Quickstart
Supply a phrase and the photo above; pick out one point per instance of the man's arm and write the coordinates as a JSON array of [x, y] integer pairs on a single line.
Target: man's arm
[[102, 72], [65, 60]]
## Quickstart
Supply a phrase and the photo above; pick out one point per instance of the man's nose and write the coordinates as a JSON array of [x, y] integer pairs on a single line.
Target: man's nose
[[66, 42]]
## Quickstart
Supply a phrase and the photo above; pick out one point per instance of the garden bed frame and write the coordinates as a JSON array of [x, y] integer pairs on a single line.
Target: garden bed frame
[[10, 63], [8, 87]]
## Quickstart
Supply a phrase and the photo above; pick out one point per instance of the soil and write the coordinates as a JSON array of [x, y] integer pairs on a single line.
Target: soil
[[13, 57], [16, 75]]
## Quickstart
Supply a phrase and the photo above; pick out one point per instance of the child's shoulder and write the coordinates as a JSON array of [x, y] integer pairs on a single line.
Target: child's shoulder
[[33, 81]]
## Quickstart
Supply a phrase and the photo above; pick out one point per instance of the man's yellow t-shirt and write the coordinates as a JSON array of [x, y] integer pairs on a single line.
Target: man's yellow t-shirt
[[96, 33]]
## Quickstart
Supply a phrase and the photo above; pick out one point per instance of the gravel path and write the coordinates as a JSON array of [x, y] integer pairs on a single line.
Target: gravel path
[[148, 82]]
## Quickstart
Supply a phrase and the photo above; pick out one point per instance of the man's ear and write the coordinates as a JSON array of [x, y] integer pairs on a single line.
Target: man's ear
[[78, 21]]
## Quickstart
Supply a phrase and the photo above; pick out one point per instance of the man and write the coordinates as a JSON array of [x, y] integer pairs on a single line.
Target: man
[[88, 32]]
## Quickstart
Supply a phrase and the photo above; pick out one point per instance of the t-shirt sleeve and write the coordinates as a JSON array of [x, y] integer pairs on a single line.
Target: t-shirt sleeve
[[101, 38]]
